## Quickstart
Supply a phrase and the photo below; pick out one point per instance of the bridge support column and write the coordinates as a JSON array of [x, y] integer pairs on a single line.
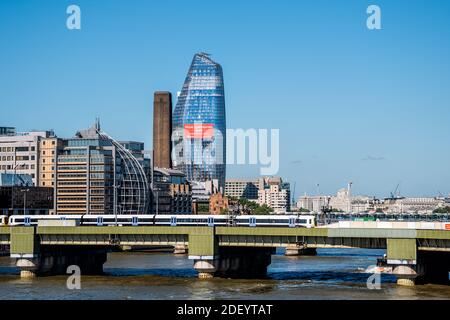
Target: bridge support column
[[300, 250], [417, 267], [206, 268], [180, 249], [55, 261], [241, 262]]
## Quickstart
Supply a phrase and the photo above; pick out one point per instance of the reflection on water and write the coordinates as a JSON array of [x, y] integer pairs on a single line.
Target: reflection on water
[[332, 274]]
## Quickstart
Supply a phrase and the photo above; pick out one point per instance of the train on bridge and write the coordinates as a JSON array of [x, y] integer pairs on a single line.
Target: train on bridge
[[291, 221]]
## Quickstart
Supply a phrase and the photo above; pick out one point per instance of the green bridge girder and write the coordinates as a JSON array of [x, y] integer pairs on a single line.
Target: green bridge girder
[[401, 244]]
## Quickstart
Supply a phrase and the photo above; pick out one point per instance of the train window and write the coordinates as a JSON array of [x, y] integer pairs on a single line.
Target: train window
[[210, 222], [27, 221], [173, 221], [99, 221], [62, 218], [134, 221], [252, 222]]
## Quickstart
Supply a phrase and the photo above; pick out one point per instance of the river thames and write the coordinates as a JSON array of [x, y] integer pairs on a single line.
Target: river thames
[[332, 274]]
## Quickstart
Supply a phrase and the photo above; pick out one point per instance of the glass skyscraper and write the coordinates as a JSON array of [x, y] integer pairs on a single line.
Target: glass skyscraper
[[199, 125]]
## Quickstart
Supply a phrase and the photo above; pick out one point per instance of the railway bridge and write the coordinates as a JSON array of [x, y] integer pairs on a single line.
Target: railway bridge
[[415, 255]]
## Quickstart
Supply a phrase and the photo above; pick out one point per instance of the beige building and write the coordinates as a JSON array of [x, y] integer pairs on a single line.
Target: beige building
[[275, 194], [243, 188], [19, 153]]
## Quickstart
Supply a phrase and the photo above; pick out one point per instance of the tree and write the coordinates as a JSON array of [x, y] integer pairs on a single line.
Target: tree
[[262, 210], [442, 210], [203, 207]]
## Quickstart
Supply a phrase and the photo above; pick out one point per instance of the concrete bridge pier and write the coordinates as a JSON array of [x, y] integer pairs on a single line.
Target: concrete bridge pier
[[180, 249], [57, 260], [205, 268], [413, 266], [300, 250], [236, 262]]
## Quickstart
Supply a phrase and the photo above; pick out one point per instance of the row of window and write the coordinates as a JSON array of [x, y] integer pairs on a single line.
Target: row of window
[[17, 149], [19, 168]]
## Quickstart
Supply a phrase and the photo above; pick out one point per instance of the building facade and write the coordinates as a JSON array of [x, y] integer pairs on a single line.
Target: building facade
[[7, 131], [218, 204], [29, 200], [172, 193], [275, 194], [19, 153], [243, 188], [162, 129], [97, 175], [199, 124]]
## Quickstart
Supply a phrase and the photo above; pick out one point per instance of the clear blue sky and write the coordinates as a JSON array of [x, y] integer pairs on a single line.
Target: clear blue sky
[[372, 107]]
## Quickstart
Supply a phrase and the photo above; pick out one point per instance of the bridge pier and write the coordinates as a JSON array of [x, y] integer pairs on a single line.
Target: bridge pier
[[55, 261], [412, 266], [180, 249], [300, 250], [236, 262]]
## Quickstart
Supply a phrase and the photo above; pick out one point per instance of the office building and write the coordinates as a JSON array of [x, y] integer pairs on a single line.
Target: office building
[[29, 200], [312, 203], [162, 129], [15, 179], [7, 131], [136, 148], [19, 153], [243, 188], [49, 148], [199, 124], [96, 175], [172, 193], [275, 194]]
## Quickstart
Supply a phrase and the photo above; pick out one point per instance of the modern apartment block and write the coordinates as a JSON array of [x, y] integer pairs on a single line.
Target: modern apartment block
[[19, 152], [243, 188], [275, 194], [162, 129]]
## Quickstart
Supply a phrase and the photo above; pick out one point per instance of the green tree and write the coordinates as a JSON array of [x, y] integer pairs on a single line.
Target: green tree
[[442, 210], [263, 210], [203, 207]]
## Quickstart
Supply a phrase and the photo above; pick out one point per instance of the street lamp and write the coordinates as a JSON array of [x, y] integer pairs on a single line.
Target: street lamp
[[13, 185], [24, 199]]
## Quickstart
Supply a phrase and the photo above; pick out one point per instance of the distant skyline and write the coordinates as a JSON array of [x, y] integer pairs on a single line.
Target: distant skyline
[[352, 104]]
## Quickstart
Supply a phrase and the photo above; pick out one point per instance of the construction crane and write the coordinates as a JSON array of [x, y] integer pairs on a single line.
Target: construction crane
[[293, 195], [396, 193]]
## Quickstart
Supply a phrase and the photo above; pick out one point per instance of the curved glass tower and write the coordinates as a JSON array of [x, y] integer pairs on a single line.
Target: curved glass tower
[[199, 125]]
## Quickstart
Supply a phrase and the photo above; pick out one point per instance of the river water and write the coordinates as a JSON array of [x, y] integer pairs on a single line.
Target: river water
[[332, 274]]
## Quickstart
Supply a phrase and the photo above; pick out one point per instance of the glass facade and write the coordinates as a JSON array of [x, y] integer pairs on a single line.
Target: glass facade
[[199, 125]]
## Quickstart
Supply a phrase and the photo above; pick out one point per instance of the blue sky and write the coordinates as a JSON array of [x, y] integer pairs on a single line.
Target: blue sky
[[371, 107]]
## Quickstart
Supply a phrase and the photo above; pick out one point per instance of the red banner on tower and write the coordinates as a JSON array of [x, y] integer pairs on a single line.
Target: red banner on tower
[[199, 130]]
